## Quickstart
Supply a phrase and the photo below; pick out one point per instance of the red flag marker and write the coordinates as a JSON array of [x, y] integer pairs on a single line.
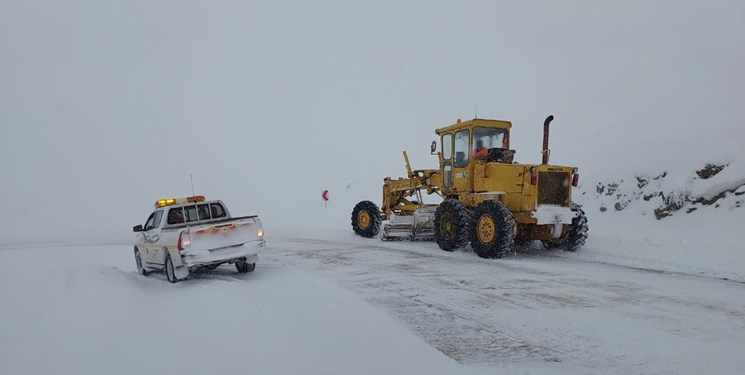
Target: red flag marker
[[325, 197]]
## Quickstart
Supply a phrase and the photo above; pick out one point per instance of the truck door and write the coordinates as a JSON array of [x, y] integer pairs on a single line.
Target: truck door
[[460, 178], [151, 235]]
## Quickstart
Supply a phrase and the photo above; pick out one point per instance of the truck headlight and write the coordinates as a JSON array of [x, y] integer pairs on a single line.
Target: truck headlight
[[260, 232]]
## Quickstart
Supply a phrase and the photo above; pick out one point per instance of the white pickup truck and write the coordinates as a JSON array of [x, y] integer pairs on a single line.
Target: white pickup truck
[[188, 234]]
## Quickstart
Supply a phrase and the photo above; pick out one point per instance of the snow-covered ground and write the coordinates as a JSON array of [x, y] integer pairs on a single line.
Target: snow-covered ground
[[326, 301], [84, 310], [576, 312]]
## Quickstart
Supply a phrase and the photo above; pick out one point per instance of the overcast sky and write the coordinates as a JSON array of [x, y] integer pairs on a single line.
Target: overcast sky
[[106, 106]]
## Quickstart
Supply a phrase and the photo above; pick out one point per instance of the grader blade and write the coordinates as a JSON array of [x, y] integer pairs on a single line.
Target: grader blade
[[416, 227]]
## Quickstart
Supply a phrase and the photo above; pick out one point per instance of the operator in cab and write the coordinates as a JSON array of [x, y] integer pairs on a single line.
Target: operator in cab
[[480, 152]]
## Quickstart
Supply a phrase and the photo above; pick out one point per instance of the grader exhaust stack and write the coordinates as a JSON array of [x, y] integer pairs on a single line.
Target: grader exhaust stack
[[546, 152]]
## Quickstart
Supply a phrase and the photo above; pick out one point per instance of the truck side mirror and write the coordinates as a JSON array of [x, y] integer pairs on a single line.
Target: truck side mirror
[[137, 228], [433, 147]]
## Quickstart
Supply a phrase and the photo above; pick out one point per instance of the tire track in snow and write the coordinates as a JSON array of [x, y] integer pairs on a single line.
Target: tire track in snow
[[453, 300]]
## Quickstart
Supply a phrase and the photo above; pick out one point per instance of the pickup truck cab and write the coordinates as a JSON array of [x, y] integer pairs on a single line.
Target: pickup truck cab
[[183, 235]]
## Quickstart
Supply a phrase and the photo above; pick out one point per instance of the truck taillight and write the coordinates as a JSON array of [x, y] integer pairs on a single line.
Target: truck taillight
[[533, 176], [184, 240], [575, 180]]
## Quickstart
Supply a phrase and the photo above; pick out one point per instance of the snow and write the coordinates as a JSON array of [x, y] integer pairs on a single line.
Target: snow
[[637, 90], [552, 214], [538, 311], [643, 296], [84, 310]]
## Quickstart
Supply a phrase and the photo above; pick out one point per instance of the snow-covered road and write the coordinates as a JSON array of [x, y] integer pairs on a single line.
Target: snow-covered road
[[336, 303], [83, 310], [560, 309]]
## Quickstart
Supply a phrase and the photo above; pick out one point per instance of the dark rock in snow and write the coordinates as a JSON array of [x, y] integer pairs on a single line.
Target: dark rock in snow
[[674, 201], [660, 213], [662, 175], [641, 182], [710, 170], [650, 196], [612, 187]]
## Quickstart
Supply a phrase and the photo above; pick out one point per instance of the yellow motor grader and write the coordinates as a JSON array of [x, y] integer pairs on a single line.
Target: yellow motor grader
[[489, 200]]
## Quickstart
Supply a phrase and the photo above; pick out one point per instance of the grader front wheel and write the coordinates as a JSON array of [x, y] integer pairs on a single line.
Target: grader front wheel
[[452, 224], [366, 219], [493, 234]]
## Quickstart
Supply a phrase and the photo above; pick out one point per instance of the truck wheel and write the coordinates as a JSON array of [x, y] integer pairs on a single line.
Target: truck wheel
[[244, 267], [577, 233], [170, 272], [140, 268], [366, 219], [452, 225], [493, 232]]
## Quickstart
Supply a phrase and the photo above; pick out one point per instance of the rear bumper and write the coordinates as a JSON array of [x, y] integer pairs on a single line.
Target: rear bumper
[[250, 251]]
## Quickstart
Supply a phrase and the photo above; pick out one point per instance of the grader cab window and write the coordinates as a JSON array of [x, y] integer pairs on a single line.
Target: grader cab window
[[447, 146], [461, 149], [447, 156], [485, 139]]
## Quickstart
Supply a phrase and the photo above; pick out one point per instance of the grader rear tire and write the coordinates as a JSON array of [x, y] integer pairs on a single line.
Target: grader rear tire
[[577, 233], [452, 225], [366, 219], [493, 232]]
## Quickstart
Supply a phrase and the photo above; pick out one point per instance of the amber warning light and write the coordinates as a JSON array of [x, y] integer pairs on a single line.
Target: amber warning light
[[170, 201]]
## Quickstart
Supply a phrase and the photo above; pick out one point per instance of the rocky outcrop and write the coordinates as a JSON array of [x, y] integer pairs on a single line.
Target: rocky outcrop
[[665, 197]]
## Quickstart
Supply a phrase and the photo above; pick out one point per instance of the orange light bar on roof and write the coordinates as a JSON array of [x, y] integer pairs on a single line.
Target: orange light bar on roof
[[164, 202], [171, 201]]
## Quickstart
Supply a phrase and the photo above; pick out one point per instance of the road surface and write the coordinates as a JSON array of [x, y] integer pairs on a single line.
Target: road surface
[[540, 306]]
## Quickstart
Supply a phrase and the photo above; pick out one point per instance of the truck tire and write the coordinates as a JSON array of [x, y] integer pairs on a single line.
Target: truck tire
[[366, 219], [170, 271], [577, 233], [493, 231], [244, 267], [452, 225], [138, 260]]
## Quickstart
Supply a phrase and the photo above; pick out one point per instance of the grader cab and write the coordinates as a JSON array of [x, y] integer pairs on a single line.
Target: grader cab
[[489, 200]]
